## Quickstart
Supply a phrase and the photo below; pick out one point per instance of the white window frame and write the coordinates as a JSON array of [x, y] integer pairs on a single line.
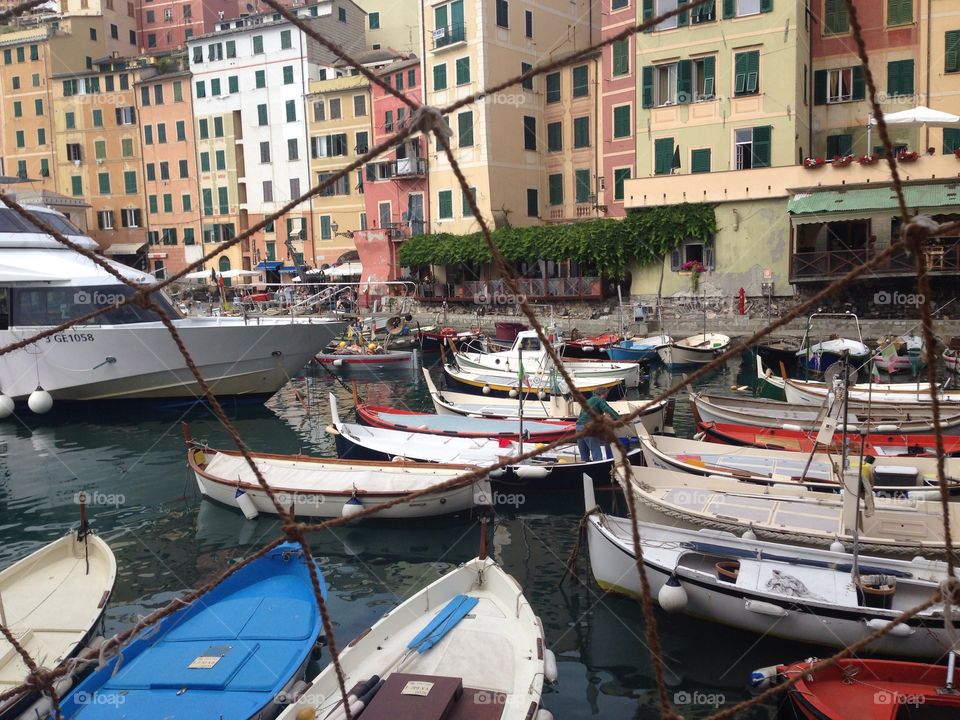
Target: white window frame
[[697, 79], [745, 8], [737, 164], [662, 6], [837, 77], [671, 72], [105, 218]]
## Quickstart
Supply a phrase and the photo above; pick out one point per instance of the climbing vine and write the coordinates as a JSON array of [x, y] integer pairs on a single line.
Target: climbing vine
[[644, 237]]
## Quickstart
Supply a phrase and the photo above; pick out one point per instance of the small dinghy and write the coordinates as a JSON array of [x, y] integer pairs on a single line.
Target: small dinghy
[[432, 340], [694, 350], [355, 357], [325, 487], [903, 354], [52, 602], [875, 444], [466, 646], [866, 689], [488, 382], [588, 347], [772, 589], [638, 349], [462, 426], [819, 356], [777, 352], [231, 655]]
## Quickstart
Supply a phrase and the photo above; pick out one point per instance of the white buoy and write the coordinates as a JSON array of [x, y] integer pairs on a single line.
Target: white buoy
[[837, 547], [887, 428], [40, 401], [543, 714], [763, 678], [541, 394], [6, 406], [246, 505], [338, 362], [531, 472], [898, 630], [486, 389], [550, 672], [351, 507], [672, 597], [749, 535], [513, 392]]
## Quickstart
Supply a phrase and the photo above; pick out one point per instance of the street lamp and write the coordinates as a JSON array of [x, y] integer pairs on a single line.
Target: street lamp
[[334, 226]]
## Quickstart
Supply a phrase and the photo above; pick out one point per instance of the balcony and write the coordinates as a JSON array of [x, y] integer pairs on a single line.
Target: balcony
[[396, 169], [942, 257], [484, 291], [448, 36]]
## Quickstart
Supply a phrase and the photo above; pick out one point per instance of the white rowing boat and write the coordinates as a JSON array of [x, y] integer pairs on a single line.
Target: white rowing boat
[[694, 350]]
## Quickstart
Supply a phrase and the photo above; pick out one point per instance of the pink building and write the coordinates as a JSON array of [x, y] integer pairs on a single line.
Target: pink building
[[396, 193], [168, 24], [618, 93]]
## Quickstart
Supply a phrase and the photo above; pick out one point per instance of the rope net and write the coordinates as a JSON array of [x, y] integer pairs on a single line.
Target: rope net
[[915, 230]]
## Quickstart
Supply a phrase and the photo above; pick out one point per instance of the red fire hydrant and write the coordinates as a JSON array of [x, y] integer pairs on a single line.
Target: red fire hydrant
[[743, 301]]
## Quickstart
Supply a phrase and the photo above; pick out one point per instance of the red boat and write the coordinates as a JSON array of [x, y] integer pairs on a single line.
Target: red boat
[[432, 339], [589, 347], [538, 430], [871, 690], [877, 445]]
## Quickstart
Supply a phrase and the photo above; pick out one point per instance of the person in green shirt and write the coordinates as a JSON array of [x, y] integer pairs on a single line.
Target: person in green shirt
[[590, 447]]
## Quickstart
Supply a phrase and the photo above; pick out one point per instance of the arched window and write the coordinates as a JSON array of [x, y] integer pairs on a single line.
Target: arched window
[[224, 266]]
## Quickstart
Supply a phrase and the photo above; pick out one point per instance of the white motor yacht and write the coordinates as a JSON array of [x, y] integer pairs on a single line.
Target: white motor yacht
[[126, 352]]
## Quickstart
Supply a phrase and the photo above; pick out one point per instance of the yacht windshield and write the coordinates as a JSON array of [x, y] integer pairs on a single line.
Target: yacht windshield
[[10, 222], [46, 306]]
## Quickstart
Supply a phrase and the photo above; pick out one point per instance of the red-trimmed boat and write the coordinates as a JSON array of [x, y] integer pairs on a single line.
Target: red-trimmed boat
[[589, 347], [876, 444], [534, 430], [432, 339], [867, 690]]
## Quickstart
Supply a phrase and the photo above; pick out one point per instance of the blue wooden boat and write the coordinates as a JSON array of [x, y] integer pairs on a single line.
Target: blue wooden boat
[[638, 349], [228, 655]]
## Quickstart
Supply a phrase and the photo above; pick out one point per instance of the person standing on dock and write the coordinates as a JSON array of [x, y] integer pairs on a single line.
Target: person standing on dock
[[589, 446]]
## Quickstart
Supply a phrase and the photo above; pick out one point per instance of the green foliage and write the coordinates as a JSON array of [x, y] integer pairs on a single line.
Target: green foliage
[[643, 238]]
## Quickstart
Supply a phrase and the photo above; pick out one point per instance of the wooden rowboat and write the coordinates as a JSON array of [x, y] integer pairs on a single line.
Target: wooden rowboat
[[460, 425]]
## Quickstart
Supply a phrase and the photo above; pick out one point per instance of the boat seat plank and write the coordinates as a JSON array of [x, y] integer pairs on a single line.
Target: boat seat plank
[[232, 614]]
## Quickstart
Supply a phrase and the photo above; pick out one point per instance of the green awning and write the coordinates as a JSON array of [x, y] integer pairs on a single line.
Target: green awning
[[879, 198]]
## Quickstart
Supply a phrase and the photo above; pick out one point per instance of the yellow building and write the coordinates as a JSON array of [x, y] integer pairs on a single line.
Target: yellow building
[[392, 24], [501, 142], [99, 156], [940, 82], [340, 128]]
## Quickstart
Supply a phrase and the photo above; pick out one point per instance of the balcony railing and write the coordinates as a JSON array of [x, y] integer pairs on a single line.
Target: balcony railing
[[827, 264], [449, 35], [396, 169], [487, 291]]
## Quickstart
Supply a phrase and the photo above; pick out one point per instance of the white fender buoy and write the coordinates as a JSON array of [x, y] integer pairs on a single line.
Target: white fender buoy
[[837, 547], [486, 389], [351, 507], [887, 428], [762, 679], [550, 671], [672, 596], [792, 426], [541, 394], [40, 401], [246, 505], [765, 608], [531, 472], [338, 362], [499, 472], [543, 714], [513, 392], [749, 535], [898, 630], [6, 406], [588, 348]]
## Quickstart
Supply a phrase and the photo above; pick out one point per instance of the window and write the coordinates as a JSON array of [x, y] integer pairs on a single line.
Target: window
[[152, 204], [261, 115], [98, 118], [231, 44], [215, 87], [217, 126], [465, 128], [22, 169], [105, 219], [524, 69], [76, 186], [620, 54], [38, 107], [322, 146], [151, 17], [554, 137], [158, 94], [952, 51], [220, 158], [839, 85], [164, 171], [621, 121], [553, 87], [126, 147], [181, 130], [652, 9], [900, 77], [363, 142], [223, 201], [465, 208], [746, 73], [839, 145], [440, 76], [334, 108], [663, 156], [44, 167], [700, 160], [373, 20], [17, 109], [555, 189], [151, 172], [529, 132], [291, 107], [268, 191], [233, 84], [161, 133], [184, 168], [835, 18], [126, 115], [702, 79], [258, 44], [73, 151], [463, 70], [41, 136], [188, 234], [288, 74], [751, 7], [167, 203], [285, 40], [206, 198], [359, 105], [21, 141], [100, 150], [445, 204], [620, 176], [951, 140], [342, 14], [326, 231], [131, 217], [201, 89], [388, 120], [130, 182], [581, 81], [204, 126], [411, 78], [533, 202], [619, 4], [528, 23], [15, 82], [581, 132], [107, 82], [398, 81], [293, 149], [752, 147], [197, 55], [260, 78], [205, 162], [265, 152], [581, 182], [665, 84]]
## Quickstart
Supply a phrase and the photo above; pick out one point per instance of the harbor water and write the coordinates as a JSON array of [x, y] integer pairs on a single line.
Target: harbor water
[[130, 459]]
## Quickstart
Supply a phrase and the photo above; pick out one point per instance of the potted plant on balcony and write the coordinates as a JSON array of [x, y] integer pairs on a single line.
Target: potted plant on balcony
[[813, 162], [907, 156], [844, 161], [694, 267], [869, 159]]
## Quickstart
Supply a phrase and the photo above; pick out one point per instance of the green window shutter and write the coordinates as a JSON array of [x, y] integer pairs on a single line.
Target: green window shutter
[[739, 73], [223, 200], [261, 78], [554, 136], [761, 146], [820, 87], [729, 9], [709, 76], [648, 13], [130, 182], [262, 114], [621, 57], [684, 81], [76, 186], [581, 132], [951, 140], [700, 161], [440, 17], [952, 51], [103, 180], [683, 18], [900, 77], [440, 76], [663, 156], [207, 195], [621, 121], [204, 162], [766, 6], [288, 74], [859, 84], [465, 129], [581, 81], [835, 17], [619, 176], [899, 12], [465, 208], [257, 44], [553, 87], [445, 204], [152, 204], [581, 180], [233, 84], [167, 203], [524, 69], [463, 70], [555, 185], [647, 85]]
